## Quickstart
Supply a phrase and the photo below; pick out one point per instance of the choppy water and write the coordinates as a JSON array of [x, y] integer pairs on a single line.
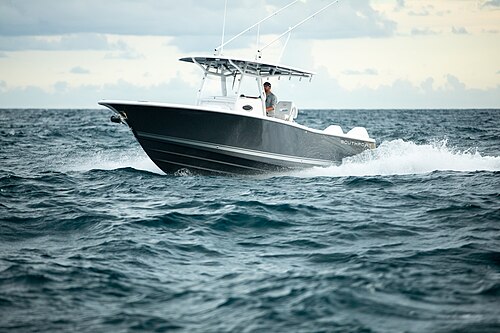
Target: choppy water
[[405, 238]]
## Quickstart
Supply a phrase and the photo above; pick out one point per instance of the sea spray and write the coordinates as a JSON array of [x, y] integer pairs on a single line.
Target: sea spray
[[395, 157], [109, 159], [399, 157]]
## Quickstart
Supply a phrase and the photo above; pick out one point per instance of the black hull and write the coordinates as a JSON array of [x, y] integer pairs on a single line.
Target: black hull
[[177, 137]]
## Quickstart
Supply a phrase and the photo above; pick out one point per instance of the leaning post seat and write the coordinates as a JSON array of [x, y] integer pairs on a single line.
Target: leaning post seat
[[286, 110]]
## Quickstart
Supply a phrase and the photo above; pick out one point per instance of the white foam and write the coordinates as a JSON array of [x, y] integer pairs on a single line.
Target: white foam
[[399, 157], [111, 160], [396, 157]]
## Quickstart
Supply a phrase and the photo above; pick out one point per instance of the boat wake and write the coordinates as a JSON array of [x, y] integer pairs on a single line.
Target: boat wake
[[395, 157], [399, 157]]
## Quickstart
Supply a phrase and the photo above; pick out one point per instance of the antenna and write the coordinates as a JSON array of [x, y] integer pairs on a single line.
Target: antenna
[[294, 27], [219, 48], [223, 29]]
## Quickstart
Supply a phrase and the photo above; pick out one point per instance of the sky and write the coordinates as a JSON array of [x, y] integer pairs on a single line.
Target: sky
[[370, 54]]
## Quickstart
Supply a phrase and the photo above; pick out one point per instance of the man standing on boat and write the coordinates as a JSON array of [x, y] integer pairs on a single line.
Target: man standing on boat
[[271, 100]]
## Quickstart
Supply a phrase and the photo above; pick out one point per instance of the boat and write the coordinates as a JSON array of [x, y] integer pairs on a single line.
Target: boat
[[229, 132]]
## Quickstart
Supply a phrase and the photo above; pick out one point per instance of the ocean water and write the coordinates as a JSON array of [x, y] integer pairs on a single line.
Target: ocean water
[[404, 238]]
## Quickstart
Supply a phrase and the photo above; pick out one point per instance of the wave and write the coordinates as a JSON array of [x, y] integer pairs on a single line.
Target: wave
[[399, 157], [111, 160]]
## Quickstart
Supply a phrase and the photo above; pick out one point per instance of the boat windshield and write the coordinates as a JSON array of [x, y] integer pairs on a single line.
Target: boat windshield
[[232, 86]]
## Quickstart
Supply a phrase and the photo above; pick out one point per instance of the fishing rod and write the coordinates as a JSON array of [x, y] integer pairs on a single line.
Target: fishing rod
[[220, 48], [223, 27], [289, 31]]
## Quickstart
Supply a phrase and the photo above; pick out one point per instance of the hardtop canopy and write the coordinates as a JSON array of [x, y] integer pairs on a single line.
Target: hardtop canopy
[[224, 66]]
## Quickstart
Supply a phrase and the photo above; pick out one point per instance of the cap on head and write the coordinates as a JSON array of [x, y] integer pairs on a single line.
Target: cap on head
[[267, 84]]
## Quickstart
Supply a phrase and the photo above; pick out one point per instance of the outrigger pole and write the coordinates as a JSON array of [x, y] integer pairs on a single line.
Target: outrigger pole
[[223, 26], [294, 27], [220, 48]]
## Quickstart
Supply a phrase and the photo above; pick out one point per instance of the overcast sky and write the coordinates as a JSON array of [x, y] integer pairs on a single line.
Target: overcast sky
[[367, 54]]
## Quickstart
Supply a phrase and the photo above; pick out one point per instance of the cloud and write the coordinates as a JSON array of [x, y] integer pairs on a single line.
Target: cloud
[[323, 92], [152, 17], [79, 70], [444, 12], [127, 55], [453, 83], [347, 19], [75, 42], [367, 71], [193, 25], [454, 95], [423, 32], [421, 12], [63, 95], [459, 31], [186, 18], [491, 3], [61, 86], [427, 11]]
